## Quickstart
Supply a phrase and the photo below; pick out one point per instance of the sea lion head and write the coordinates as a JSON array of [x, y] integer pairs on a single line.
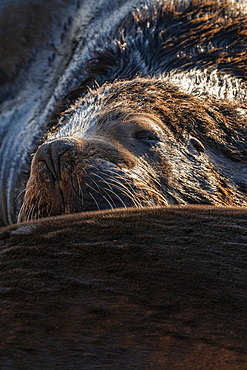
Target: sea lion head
[[138, 143]]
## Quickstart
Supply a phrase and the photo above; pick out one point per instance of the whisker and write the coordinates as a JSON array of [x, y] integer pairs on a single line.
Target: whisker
[[117, 196], [94, 201], [101, 195], [30, 212], [124, 189], [38, 208], [97, 185], [104, 190], [121, 200], [102, 179], [130, 195], [159, 196], [144, 185], [21, 192], [20, 212], [80, 188], [114, 175]]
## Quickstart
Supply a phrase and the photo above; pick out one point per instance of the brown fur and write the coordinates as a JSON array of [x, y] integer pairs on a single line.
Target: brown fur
[[161, 288], [199, 155], [158, 118]]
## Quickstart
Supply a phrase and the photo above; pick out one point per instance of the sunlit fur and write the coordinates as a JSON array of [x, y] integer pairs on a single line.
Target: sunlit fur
[[182, 68]]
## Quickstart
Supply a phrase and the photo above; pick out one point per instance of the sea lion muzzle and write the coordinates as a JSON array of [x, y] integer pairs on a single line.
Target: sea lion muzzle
[[50, 153]]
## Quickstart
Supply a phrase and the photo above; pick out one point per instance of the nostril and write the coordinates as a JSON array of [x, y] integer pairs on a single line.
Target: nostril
[[51, 152]]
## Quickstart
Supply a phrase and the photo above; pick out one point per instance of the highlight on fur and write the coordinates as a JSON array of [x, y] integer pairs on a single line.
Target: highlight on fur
[[159, 118]]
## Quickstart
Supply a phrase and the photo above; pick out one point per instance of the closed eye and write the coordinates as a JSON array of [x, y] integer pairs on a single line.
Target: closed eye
[[147, 137]]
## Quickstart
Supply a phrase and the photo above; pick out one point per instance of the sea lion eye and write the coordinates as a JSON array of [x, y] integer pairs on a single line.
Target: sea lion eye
[[147, 137], [197, 144]]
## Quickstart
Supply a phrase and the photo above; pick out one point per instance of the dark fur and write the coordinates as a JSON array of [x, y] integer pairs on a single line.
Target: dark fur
[[133, 289]]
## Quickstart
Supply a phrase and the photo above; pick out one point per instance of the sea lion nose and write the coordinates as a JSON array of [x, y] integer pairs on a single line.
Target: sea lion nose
[[51, 152]]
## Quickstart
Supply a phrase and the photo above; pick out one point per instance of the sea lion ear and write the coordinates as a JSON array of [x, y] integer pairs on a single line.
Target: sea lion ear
[[197, 144]]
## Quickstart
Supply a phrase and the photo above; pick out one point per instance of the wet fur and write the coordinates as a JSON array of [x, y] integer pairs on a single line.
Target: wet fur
[[182, 64], [173, 36]]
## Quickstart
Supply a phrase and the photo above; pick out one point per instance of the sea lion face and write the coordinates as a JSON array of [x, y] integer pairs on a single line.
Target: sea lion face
[[133, 143]]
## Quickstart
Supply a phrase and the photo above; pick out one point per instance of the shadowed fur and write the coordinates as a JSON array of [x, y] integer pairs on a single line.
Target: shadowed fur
[[160, 288]]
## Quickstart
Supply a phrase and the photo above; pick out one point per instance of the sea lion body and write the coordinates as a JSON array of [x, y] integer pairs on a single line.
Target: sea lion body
[[159, 118], [152, 288]]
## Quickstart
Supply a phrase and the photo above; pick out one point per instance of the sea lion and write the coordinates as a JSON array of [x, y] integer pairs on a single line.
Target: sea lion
[[160, 150], [154, 114], [153, 288], [132, 135]]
